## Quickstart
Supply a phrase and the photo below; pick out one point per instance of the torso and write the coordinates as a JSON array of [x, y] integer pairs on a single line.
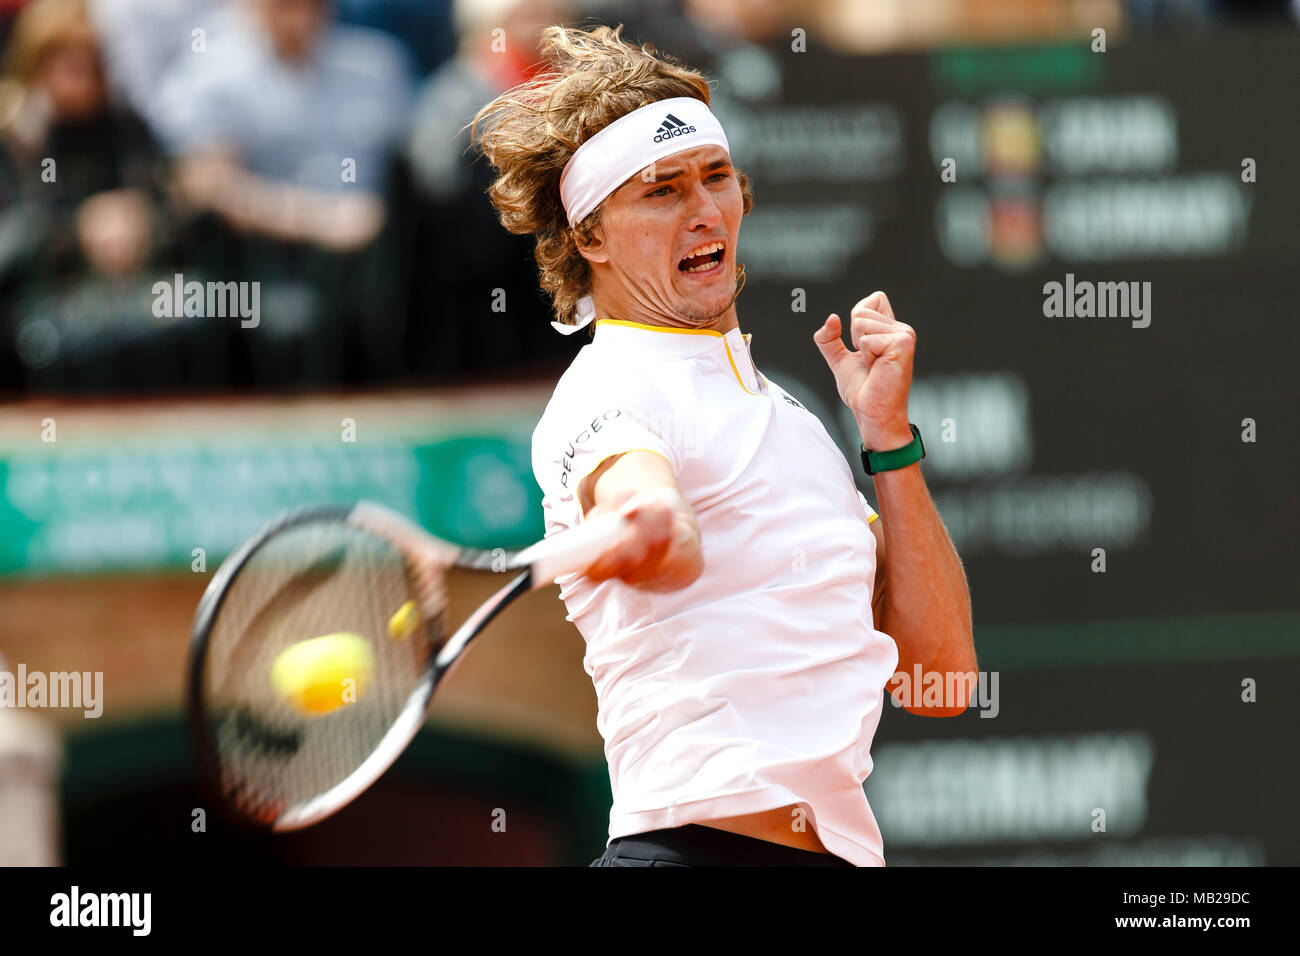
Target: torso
[[760, 684], [774, 826]]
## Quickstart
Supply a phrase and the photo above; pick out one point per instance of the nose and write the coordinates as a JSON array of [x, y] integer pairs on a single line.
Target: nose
[[703, 208]]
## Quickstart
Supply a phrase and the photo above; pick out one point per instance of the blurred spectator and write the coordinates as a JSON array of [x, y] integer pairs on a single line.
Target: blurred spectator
[[143, 39], [474, 299], [81, 210], [290, 135], [284, 142], [708, 30], [64, 144], [486, 64], [753, 21], [740, 43], [423, 25], [8, 13]]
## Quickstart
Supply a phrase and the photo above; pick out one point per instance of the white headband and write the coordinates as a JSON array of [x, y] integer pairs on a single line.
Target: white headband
[[631, 143], [622, 149]]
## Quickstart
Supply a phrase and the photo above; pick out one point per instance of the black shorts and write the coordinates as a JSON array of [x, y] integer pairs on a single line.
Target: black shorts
[[695, 845]]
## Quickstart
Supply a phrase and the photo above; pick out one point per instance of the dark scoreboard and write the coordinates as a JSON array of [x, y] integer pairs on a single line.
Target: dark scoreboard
[[1155, 416], [1098, 253]]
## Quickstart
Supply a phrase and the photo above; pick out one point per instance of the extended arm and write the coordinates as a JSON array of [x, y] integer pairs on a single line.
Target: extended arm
[[660, 551]]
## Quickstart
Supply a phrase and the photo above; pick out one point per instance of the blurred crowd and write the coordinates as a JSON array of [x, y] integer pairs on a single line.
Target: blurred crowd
[[283, 143], [314, 148], [311, 150]]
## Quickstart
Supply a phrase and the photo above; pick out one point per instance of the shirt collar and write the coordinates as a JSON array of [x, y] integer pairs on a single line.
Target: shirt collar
[[684, 343], [656, 338]]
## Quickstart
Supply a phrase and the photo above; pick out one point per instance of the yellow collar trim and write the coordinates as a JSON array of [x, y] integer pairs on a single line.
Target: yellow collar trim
[[725, 344], [657, 328]]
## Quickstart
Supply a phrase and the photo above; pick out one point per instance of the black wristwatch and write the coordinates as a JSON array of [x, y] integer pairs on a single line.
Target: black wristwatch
[[878, 461]]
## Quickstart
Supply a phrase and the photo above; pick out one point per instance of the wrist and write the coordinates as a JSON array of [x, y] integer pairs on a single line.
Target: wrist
[[877, 460], [885, 437]]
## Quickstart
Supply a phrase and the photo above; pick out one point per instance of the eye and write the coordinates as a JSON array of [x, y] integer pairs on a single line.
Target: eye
[[718, 176], [661, 191]]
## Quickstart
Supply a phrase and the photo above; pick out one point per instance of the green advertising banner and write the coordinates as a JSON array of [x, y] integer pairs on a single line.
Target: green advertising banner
[[150, 500]]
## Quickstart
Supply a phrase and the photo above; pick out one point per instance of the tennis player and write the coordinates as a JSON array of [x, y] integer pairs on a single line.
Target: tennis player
[[741, 634]]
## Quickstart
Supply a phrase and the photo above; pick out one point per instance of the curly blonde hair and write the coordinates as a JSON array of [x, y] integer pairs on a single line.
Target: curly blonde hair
[[529, 133]]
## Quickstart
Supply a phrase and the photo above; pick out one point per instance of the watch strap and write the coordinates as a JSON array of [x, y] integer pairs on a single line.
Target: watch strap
[[877, 461]]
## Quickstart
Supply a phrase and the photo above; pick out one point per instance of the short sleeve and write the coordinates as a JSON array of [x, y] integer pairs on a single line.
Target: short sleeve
[[572, 440], [871, 515]]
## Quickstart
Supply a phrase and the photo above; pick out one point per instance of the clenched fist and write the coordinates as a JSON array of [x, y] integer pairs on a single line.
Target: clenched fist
[[873, 381], [660, 548]]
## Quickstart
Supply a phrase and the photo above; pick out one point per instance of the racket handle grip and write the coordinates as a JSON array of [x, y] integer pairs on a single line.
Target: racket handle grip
[[573, 550]]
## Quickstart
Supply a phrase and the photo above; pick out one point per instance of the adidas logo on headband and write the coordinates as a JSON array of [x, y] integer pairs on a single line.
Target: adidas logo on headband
[[671, 127], [609, 158]]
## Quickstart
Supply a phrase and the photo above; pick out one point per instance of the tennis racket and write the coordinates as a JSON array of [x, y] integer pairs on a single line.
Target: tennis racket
[[372, 587]]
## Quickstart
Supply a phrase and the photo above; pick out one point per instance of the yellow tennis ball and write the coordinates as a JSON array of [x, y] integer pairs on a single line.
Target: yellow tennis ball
[[324, 673]]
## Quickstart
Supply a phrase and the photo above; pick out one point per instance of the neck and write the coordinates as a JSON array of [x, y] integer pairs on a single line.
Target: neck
[[611, 304]]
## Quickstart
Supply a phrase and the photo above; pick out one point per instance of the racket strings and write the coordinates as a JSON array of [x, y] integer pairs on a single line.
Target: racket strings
[[316, 579]]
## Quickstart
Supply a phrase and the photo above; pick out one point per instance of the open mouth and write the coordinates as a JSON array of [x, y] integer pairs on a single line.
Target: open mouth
[[704, 258]]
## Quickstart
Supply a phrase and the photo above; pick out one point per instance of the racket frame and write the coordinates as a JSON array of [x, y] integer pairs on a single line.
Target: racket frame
[[541, 564], [399, 734]]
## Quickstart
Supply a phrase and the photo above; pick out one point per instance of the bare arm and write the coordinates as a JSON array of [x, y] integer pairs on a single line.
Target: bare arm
[[660, 551], [215, 180], [923, 601], [922, 598]]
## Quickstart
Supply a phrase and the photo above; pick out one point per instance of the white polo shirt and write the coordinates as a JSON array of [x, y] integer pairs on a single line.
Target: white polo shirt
[[761, 684]]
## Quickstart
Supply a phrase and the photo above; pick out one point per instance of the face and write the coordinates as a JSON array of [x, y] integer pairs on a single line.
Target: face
[[71, 76], [525, 22], [294, 25], [753, 19], [664, 251]]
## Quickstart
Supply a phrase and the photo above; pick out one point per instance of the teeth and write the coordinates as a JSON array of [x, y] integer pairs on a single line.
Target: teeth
[[704, 250], [704, 268]]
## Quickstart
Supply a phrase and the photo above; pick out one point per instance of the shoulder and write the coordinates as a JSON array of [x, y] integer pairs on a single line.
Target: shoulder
[[784, 393], [608, 395], [451, 92], [235, 57], [601, 378], [366, 54]]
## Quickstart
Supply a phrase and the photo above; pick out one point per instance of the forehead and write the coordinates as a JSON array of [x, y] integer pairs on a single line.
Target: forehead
[[685, 161]]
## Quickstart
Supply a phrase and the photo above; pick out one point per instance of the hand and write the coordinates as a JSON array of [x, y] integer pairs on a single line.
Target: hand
[[115, 231], [873, 381], [659, 550], [347, 222]]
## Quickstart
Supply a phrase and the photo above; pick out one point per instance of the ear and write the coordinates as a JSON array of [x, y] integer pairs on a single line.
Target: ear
[[593, 251]]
